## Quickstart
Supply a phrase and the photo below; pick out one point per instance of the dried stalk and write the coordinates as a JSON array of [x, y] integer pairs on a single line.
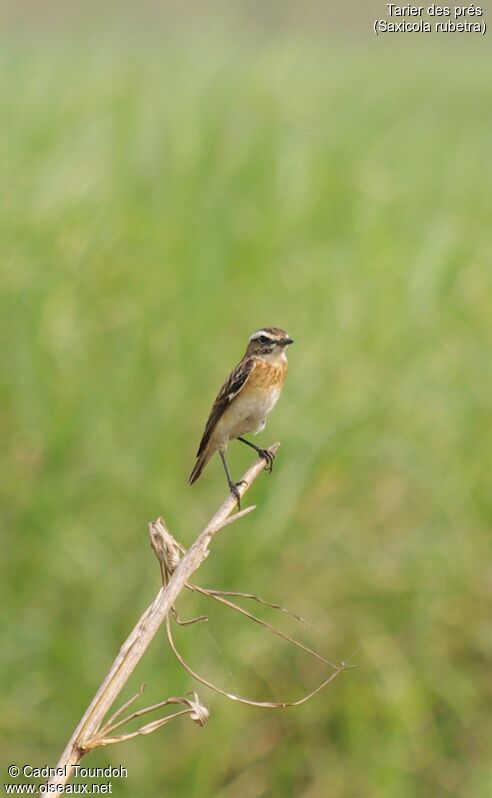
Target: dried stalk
[[88, 732]]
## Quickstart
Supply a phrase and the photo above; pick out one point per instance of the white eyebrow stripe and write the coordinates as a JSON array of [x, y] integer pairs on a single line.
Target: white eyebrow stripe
[[259, 333]]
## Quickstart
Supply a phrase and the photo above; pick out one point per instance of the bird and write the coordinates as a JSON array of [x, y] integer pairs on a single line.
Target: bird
[[247, 396]]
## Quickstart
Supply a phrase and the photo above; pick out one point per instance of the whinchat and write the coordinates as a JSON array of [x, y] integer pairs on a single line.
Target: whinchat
[[248, 395]]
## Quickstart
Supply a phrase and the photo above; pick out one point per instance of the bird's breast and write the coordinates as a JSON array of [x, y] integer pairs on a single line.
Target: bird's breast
[[256, 400], [259, 396], [256, 404]]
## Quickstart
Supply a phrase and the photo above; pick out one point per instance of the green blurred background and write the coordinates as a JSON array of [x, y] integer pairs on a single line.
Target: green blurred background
[[174, 177]]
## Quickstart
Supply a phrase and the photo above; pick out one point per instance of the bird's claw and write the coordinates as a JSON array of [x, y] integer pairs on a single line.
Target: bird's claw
[[233, 487], [269, 457]]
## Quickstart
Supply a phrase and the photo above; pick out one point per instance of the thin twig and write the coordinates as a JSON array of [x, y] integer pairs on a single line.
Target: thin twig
[[250, 702], [197, 712], [110, 721], [214, 595], [252, 597]]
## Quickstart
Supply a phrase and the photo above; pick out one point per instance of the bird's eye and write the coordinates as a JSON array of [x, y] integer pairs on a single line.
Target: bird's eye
[[264, 340]]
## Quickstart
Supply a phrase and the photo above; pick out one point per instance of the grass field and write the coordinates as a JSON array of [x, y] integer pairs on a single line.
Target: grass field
[[160, 201]]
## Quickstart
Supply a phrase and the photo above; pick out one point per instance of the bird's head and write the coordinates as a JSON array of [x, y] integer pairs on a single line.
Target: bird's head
[[269, 342]]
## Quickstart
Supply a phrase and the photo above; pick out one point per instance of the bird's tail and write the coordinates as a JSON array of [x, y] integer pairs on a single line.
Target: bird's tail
[[200, 464]]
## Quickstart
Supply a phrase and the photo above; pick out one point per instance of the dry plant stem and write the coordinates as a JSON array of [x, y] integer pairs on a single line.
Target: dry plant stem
[[145, 630]]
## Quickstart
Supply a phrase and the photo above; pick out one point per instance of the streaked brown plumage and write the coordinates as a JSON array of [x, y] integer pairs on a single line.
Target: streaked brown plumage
[[248, 395]]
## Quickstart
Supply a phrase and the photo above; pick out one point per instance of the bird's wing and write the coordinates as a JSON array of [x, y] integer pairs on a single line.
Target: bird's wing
[[233, 385]]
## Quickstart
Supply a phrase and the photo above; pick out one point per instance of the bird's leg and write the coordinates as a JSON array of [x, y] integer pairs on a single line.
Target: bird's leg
[[233, 486], [265, 453]]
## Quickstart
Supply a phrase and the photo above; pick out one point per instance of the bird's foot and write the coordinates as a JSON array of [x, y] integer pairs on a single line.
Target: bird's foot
[[269, 457], [233, 487]]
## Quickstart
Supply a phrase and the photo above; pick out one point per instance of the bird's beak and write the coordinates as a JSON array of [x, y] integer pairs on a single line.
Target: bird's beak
[[286, 341]]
